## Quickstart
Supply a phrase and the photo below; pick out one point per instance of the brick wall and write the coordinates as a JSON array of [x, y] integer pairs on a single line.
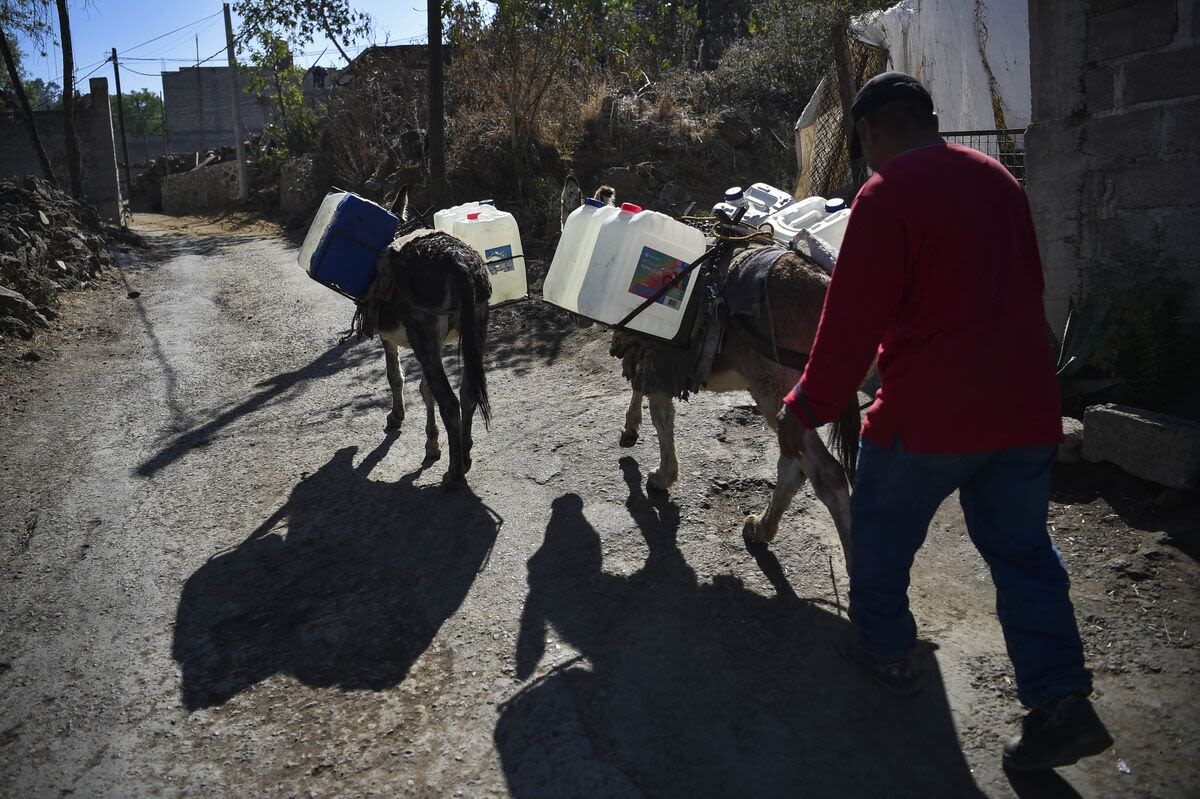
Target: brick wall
[[198, 110], [94, 128], [1113, 154]]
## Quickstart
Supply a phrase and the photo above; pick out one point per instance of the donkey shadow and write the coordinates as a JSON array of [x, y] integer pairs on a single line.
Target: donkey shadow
[[703, 689], [349, 596]]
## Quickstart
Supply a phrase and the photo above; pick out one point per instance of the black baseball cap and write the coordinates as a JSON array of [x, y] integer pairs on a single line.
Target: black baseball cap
[[880, 90]]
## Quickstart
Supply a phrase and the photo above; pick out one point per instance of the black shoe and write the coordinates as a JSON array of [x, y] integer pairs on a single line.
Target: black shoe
[[1056, 734], [898, 676]]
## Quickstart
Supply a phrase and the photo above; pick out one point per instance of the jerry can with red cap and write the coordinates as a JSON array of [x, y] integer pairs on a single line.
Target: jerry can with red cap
[[636, 254], [495, 236]]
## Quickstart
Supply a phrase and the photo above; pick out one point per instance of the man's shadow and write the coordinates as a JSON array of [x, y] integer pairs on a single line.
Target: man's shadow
[[706, 689], [348, 592]]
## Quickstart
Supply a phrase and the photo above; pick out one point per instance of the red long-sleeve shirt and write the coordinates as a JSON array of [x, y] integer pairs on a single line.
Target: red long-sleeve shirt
[[939, 274]]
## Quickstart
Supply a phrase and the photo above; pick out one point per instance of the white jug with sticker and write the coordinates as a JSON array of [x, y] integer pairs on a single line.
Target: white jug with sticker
[[495, 236], [636, 254]]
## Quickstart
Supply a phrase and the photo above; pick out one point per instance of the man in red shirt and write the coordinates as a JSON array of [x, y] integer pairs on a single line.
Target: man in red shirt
[[939, 277]]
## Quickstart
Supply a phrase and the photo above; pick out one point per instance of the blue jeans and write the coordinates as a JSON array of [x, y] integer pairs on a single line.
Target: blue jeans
[[1005, 496]]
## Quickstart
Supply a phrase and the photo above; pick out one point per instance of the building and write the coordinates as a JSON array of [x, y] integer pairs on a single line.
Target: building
[[198, 110]]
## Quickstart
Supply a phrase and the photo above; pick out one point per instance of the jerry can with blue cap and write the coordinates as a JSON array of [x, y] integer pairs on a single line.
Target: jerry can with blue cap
[[344, 242]]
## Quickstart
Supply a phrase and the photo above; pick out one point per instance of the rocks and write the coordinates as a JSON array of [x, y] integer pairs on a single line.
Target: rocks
[[1153, 446], [1071, 450], [48, 243]]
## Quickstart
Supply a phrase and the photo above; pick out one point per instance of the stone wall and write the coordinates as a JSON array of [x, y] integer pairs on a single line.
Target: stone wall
[[97, 149], [206, 188], [1113, 155]]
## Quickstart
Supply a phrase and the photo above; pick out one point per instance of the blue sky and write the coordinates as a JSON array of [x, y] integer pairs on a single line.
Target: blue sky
[[99, 25]]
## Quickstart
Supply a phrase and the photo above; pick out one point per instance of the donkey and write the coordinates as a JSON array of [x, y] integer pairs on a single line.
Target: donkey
[[429, 288], [788, 318]]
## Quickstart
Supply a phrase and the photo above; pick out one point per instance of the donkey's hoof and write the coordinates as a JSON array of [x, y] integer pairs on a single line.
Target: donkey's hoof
[[754, 532], [629, 438], [452, 481], [393, 423], [657, 482]]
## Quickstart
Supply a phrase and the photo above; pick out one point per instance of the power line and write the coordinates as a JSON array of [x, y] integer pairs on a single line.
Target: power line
[[168, 33]]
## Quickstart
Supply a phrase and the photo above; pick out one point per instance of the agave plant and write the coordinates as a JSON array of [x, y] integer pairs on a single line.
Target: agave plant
[[1084, 329]]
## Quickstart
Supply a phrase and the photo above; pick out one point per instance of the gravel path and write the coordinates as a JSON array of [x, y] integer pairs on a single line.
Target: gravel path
[[218, 577]]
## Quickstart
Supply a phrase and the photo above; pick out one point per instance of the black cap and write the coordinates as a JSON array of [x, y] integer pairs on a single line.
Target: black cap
[[880, 90]]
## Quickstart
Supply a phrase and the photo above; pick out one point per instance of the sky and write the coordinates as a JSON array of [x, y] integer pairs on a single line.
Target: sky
[[99, 25]]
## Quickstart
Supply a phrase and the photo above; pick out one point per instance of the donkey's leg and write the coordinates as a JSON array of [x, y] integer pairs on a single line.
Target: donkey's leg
[[432, 450], [633, 419], [662, 413], [395, 376], [466, 390], [830, 484], [762, 529], [427, 345]]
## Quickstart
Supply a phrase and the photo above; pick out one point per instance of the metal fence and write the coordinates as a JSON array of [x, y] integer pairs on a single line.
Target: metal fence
[[1006, 146]]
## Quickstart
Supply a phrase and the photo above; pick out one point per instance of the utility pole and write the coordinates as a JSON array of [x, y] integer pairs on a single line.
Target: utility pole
[[437, 125], [121, 119], [239, 133], [199, 99]]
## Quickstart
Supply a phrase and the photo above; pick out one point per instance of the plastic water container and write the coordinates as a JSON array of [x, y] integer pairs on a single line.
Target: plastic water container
[[574, 253], [769, 198], [796, 217], [495, 236], [445, 218], [832, 229], [635, 255], [344, 242], [753, 216]]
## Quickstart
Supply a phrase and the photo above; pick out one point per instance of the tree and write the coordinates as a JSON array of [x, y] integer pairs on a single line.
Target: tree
[[143, 112], [272, 73], [297, 22], [28, 17], [74, 165]]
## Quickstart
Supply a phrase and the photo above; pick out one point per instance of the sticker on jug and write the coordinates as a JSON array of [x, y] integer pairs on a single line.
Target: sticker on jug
[[499, 259], [655, 270]]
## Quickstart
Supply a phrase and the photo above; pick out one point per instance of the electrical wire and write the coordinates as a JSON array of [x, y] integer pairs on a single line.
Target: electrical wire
[[177, 30]]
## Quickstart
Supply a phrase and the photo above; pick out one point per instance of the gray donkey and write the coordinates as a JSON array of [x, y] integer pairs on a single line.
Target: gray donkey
[[429, 288], [788, 320]]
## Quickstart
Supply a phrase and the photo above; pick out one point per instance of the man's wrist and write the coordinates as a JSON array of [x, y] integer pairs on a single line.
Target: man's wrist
[[800, 407]]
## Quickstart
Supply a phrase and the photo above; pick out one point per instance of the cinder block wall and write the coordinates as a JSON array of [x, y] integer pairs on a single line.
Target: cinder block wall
[[94, 128], [1113, 152], [199, 112], [1114, 148]]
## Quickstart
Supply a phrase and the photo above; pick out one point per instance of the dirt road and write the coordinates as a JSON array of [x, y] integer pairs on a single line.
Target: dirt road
[[218, 577]]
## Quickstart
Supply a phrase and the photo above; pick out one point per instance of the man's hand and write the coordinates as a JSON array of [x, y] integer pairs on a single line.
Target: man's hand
[[791, 433]]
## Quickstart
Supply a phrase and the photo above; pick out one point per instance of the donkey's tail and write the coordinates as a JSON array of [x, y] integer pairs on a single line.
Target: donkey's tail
[[843, 438], [471, 340]]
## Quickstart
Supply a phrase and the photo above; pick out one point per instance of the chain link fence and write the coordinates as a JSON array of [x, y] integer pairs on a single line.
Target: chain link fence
[[1006, 146]]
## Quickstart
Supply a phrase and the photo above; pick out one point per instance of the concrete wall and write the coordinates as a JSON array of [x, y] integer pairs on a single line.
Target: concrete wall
[[94, 128], [1113, 154], [207, 188], [199, 110]]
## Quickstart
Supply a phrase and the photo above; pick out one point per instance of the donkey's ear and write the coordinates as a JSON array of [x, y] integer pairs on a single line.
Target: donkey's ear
[[400, 203]]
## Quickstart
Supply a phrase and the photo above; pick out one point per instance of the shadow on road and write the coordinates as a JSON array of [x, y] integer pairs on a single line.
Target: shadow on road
[[700, 690], [274, 389], [348, 592]]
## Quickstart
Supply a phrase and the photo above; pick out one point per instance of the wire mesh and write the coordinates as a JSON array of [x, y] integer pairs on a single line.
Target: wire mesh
[[1006, 146]]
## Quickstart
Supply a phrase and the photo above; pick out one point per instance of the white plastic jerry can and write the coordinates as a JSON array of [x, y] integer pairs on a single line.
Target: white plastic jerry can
[[495, 236], [444, 219], [636, 254], [769, 198], [569, 267], [796, 217], [832, 228]]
